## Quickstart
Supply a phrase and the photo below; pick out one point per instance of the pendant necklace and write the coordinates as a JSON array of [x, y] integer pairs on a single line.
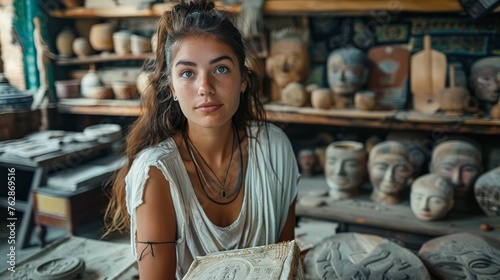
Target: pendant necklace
[[220, 185]]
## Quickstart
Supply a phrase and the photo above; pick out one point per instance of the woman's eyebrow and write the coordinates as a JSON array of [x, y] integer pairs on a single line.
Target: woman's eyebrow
[[215, 60]]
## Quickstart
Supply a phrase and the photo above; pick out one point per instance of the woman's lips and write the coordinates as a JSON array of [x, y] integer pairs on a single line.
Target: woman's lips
[[208, 107]]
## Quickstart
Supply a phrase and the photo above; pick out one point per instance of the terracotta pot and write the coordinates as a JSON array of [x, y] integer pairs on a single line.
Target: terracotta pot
[[82, 47], [365, 100], [64, 42], [321, 98], [101, 37], [101, 92], [67, 89]]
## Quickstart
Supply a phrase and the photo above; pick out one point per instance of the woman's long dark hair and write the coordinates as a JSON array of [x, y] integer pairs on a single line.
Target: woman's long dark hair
[[161, 116]]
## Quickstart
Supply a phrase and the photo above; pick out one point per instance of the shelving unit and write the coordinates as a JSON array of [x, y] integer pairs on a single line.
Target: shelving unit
[[99, 59], [279, 7]]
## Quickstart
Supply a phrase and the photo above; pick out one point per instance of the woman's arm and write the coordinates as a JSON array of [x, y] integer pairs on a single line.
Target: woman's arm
[[288, 232], [156, 223]]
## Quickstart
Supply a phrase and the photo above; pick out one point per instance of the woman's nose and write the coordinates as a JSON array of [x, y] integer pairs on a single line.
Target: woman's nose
[[206, 86]]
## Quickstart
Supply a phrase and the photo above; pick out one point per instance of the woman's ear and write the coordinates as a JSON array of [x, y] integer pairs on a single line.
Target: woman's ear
[[244, 83]]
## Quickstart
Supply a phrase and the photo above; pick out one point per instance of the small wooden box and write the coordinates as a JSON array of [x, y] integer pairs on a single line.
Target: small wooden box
[[68, 209]]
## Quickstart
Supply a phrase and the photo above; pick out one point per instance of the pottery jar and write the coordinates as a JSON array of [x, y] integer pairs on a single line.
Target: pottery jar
[[64, 42], [121, 42], [101, 37], [140, 44], [321, 98], [365, 100], [89, 81], [124, 90], [82, 47]]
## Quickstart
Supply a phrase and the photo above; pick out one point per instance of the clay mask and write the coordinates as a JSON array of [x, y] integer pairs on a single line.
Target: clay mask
[[484, 79], [431, 197]]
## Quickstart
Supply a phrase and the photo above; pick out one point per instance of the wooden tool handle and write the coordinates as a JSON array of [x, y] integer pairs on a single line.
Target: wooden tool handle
[[428, 53]]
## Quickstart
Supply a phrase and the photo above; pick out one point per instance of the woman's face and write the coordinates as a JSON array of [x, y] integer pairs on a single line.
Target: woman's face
[[207, 81]]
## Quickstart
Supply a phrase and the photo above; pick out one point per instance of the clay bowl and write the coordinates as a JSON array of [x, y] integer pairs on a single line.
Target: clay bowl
[[124, 90], [67, 89], [321, 98]]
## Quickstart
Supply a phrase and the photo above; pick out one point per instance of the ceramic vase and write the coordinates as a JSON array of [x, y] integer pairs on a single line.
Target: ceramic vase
[[64, 42], [82, 47], [321, 98], [101, 37]]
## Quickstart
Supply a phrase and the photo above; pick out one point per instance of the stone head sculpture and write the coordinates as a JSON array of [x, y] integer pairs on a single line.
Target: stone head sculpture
[[487, 192], [307, 161], [345, 168], [288, 59], [485, 79], [431, 197], [347, 70], [389, 169], [459, 162]]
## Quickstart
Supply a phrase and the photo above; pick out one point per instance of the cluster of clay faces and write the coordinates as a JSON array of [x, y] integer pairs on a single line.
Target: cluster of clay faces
[[454, 168], [348, 70]]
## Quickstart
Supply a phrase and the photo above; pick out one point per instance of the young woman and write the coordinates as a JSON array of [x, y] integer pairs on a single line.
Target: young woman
[[204, 172]]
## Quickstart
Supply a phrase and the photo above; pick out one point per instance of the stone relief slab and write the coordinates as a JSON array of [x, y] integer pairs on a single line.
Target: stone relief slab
[[275, 261], [462, 256], [362, 256]]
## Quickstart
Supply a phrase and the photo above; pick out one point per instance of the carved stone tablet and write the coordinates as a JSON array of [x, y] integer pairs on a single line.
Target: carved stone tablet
[[362, 256], [462, 256], [59, 269], [275, 261]]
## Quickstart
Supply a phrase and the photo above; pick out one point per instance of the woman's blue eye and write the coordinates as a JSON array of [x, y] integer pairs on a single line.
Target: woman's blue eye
[[221, 70], [186, 74]]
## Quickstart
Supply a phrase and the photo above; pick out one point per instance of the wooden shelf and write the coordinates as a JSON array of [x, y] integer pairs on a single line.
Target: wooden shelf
[[382, 119], [100, 58], [360, 214], [285, 114], [102, 107], [277, 7]]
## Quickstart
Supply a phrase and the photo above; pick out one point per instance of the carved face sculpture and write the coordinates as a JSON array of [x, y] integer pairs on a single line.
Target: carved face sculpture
[[431, 197], [307, 161], [485, 81], [345, 169], [459, 162], [389, 170], [487, 192], [288, 60], [347, 70]]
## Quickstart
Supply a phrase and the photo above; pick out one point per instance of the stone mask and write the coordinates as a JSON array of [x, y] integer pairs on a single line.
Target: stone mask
[[347, 70]]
